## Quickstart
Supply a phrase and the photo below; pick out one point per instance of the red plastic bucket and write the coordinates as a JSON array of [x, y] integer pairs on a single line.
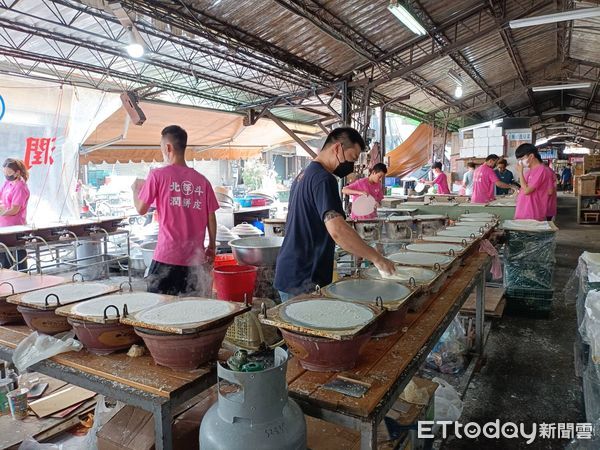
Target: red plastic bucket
[[225, 259], [235, 282]]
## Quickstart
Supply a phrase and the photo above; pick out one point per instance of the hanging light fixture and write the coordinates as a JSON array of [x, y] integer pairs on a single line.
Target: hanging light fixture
[[574, 14], [458, 92], [135, 48], [455, 76], [409, 21]]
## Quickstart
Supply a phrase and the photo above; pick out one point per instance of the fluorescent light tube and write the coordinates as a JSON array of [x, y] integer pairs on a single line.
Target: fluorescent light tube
[[560, 87], [574, 14], [562, 111], [454, 76], [407, 18]]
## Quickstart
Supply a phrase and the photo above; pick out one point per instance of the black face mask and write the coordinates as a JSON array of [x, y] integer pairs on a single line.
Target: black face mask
[[344, 168], [10, 177]]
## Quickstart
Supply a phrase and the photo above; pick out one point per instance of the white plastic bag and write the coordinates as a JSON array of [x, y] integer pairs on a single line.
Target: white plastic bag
[[102, 414], [590, 326], [32, 444], [37, 347], [447, 402]]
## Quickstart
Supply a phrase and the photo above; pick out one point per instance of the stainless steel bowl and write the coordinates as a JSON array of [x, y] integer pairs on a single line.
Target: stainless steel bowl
[[256, 251]]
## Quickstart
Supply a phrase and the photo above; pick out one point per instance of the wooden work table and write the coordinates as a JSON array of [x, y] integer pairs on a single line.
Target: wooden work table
[[388, 364], [135, 381]]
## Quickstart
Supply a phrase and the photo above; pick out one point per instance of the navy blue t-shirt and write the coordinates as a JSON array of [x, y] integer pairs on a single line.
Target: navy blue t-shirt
[[306, 256]]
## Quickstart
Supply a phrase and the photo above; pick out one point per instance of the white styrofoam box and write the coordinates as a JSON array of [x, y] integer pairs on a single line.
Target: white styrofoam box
[[481, 142], [480, 152], [466, 152], [496, 151], [397, 191], [496, 141], [480, 133], [468, 143], [494, 132]]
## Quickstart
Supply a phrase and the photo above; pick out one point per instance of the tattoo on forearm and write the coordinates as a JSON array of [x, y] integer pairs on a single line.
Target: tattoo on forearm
[[331, 214]]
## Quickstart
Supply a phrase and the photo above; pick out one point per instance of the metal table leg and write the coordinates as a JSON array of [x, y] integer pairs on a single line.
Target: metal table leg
[[480, 312], [368, 435], [163, 419]]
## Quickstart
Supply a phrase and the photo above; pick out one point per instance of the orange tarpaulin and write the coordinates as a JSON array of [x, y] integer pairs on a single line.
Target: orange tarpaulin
[[412, 154]]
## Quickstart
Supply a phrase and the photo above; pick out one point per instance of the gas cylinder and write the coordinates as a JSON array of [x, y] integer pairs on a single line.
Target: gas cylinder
[[253, 411]]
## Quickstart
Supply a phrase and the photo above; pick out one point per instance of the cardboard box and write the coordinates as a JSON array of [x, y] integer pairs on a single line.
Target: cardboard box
[[586, 185], [480, 133], [133, 428], [591, 163], [466, 152], [482, 142]]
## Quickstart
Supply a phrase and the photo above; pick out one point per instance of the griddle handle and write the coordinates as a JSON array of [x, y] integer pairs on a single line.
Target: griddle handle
[[246, 299], [379, 302], [473, 236], [111, 306], [263, 310], [126, 282], [451, 252], [481, 230], [125, 310], [52, 295], [11, 286], [437, 267], [464, 243], [412, 282], [318, 289], [73, 278]]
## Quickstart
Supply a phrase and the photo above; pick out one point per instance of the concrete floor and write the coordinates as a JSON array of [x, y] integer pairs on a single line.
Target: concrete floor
[[529, 373]]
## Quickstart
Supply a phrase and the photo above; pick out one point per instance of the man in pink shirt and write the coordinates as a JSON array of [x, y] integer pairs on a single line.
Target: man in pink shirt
[[370, 185], [440, 180], [532, 202], [485, 181], [186, 205]]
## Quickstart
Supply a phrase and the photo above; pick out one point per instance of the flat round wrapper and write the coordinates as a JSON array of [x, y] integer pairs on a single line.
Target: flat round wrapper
[[459, 232], [363, 205], [451, 239], [429, 217], [182, 312], [420, 259], [67, 293], [327, 314], [473, 224], [402, 274], [435, 248], [136, 301], [368, 290]]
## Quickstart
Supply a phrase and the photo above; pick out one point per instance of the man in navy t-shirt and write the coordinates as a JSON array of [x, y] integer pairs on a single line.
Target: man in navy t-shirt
[[316, 220]]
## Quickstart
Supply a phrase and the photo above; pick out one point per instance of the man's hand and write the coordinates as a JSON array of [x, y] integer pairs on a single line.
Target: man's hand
[[137, 185], [385, 265], [210, 253]]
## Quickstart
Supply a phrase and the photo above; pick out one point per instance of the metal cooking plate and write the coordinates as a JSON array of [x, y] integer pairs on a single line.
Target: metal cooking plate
[[189, 311], [420, 259], [400, 219], [136, 301], [67, 293], [435, 248], [452, 239], [368, 290], [327, 314], [459, 232], [478, 215], [420, 274], [472, 224]]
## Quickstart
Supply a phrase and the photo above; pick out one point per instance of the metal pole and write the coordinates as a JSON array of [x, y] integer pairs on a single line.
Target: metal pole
[[479, 312]]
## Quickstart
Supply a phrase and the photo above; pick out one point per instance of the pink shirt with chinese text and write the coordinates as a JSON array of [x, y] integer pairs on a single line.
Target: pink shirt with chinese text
[[14, 193], [484, 184], [535, 204], [373, 189], [441, 181], [184, 199]]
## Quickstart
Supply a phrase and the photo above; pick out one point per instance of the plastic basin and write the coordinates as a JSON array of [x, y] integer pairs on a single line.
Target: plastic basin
[[235, 283]]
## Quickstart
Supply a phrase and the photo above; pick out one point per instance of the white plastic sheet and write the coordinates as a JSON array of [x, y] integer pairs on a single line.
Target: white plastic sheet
[[447, 402], [590, 326], [37, 347]]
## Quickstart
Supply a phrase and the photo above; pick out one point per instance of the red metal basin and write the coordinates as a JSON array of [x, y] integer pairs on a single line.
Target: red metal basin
[[44, 321]]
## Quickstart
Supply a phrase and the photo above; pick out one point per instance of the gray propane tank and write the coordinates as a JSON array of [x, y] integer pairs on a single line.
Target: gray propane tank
[[258, 415]]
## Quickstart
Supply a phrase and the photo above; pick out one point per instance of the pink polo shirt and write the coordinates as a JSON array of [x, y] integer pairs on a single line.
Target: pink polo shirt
[[535, 204], [373, 189], [484, 184], [14, 193], [184, 199], [441, 181], [552, 200]]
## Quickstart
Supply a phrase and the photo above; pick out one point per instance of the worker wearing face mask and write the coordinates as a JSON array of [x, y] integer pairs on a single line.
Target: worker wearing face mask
[[14, 196], [532, 201], [316, 220]]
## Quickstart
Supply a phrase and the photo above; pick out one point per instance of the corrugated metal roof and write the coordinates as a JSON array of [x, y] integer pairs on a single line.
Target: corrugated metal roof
[[228, 54]]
